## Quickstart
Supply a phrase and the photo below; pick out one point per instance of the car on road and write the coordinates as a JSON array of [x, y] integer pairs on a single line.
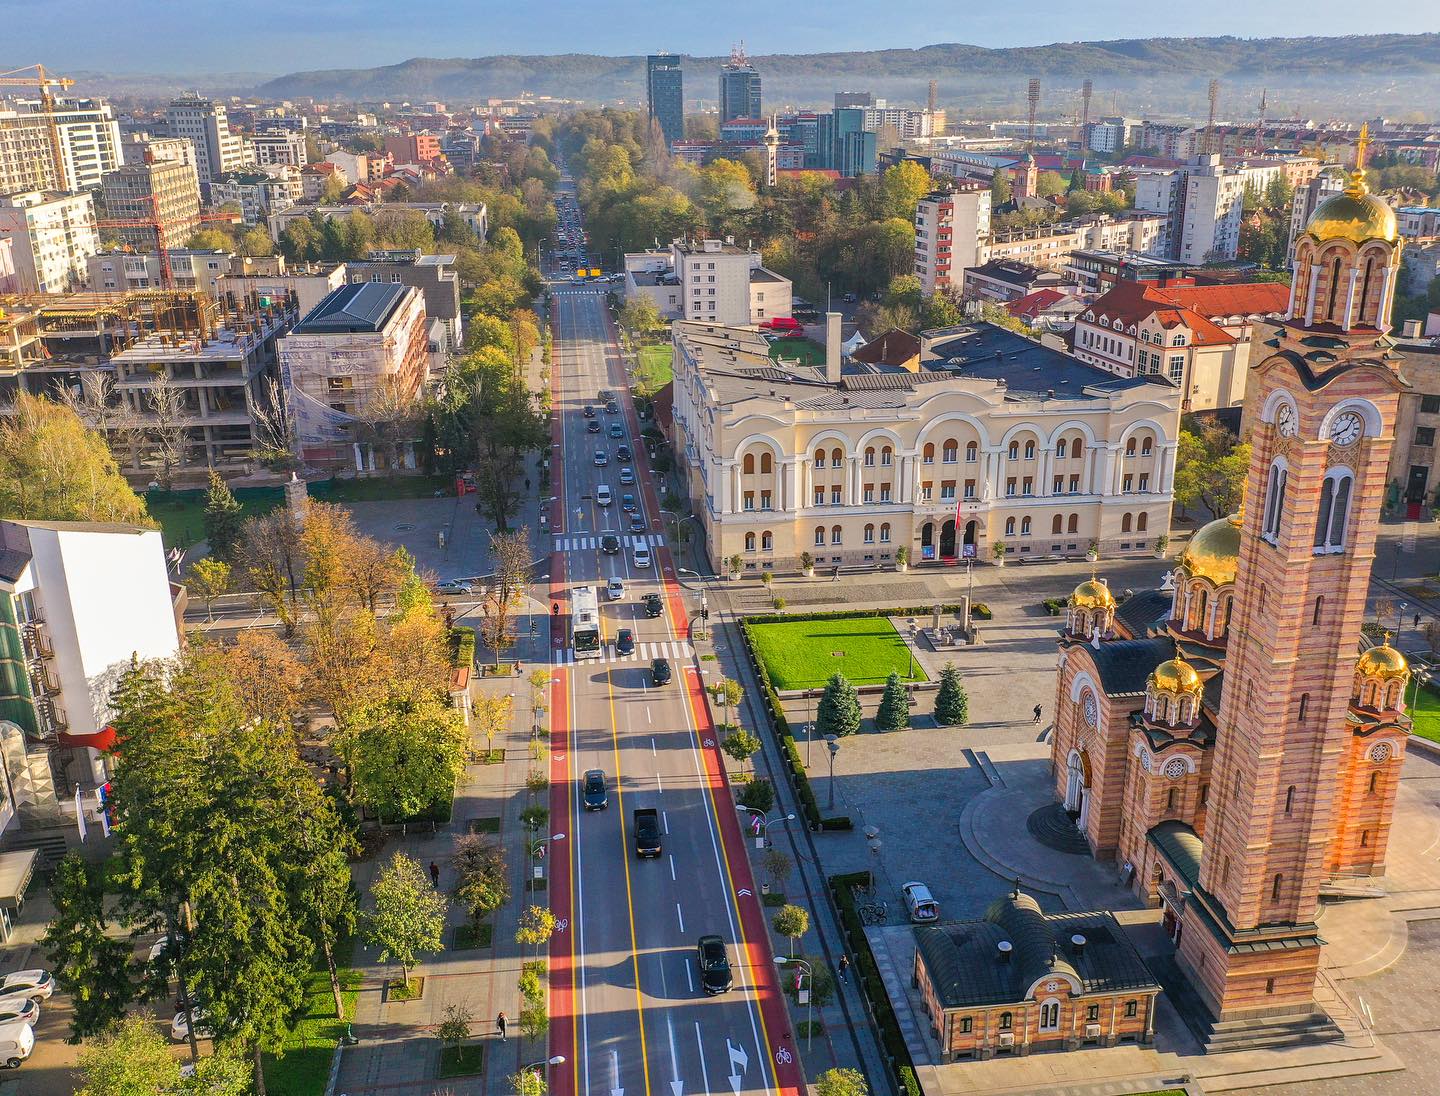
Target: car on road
[[627, 503], [849, 298], [603, 495], [180, 1027], [610, 544], [20, 1008], [637, 523], [919, 902], [622, 452], [647, 831], [641, 557], [616, 430], [615, 589], [454, 586], [602, 458], [589, 411], [653, 605], [592, 427], [597, 794], [625, 641], [627, 476], [714, 963], [35, 984], [17, 1040], [659, 671], [612, 408]]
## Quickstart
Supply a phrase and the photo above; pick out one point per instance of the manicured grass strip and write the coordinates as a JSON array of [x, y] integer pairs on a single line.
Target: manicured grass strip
[[803, 654], [654, 369], [804, 351], [305, 1065], [1426, 713], [463, 1060]]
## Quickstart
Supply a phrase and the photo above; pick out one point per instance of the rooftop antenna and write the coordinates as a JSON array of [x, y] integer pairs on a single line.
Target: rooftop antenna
[[1086, 90], [1033, 95], [1209, 143]]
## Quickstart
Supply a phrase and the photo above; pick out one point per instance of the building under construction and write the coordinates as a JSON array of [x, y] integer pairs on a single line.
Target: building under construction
[[159, 371]]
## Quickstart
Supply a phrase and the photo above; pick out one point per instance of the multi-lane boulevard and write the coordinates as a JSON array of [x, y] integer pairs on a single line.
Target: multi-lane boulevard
[[627, 1010]]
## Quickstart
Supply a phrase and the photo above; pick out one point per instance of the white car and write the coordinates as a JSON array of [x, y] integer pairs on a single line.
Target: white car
[[18, 1007], [34, 984], [920, 903], [603, 495], [454, 586], [180, 1030], [615, 589], [17, 1040], [642, 557]]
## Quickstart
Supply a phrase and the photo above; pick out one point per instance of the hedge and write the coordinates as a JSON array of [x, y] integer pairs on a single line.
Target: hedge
[[462, 646], [848, 614], [891, 1038]]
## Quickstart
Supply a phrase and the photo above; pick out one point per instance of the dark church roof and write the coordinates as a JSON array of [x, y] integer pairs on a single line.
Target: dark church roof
[[1178, 843], [1141, 612], [1124, 664]]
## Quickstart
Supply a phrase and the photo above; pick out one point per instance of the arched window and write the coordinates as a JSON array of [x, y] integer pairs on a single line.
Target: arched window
[[1056, 525], [836, 458], [1076, 447], [819, 536], [767, 464], [886, 457], [1141, 521], [1014, 450], [1334, 512], [747, 467], [749, 542], [1029, 450], [1049, 1015], [1007, 1021], [819, 458], [1392, 696], [1145, 446], [1334, 290], [972, 451], [966, 1025], [1289, 798], [1319, 608], [1304, 706], [1202, 602], [927, 455], [1275, 887], [1374, 783], [1170, 799], [1274, 501], [951, 452], [1009, 527], [869, 456], [1025, 526], [1074, 526], [767, 541], [1125, 524], [869, 534], [1130, 448], [1060, 447], [885, 533], [835, 534]]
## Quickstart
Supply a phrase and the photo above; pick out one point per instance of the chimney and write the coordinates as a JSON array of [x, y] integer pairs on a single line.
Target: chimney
[[1003, 950], [832, 347]]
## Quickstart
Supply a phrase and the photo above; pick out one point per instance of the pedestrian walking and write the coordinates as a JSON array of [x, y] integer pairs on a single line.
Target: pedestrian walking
[[435, 875], [1417, 621], [500, 1026], [835, 574], [527, 484], [1037, 713], [845, 969]]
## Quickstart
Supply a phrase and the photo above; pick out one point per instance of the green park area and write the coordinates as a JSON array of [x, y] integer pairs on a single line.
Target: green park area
[[803, 654], [1425, 713], [304, 1067], [653, 371], [799, 351]]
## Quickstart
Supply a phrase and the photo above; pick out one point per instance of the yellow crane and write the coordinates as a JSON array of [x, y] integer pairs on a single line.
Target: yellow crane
[[44, 82]]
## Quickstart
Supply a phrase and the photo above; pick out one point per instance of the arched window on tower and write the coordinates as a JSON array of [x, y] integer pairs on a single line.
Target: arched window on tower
[[767, 464], [1374, 783], [1275, 887], [1331, 308], [1319, 608], [1289, 798], [1364, 314], [1274, 502]]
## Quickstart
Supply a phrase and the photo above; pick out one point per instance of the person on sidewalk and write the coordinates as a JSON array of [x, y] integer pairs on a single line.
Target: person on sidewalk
[[435, 875], [845, 969], [500, 1023], [1038, 710]]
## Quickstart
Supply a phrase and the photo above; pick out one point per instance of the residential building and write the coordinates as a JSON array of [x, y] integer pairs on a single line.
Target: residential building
[[700, 279], [137, 148], [358, 167], [152, 205], [363, 351], [70, 630], [88, 133], [1001, 281], [1198, 336], [893, 349], [433, 275], [1414, 472], [665, 94], [1097, 270], [1415, 222], [1048, 309], [207, 126], [279, 147], [1203, 202], [127, 271], [474, 215], [52, 237], [315, 178], [1113, 134], [995, 438], [1306, 200], [1019, 981], [306, 286], [1050, 246], [951, 227], [739, 88], [27, 159], [1419, 265], [412, 148], [258, 193]]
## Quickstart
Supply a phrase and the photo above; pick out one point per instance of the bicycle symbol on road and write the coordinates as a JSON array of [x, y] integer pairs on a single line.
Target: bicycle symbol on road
[[709, 743], [562, 924], [783, 1056]]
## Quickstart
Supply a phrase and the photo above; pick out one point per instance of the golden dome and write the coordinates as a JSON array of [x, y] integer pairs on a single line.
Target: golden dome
[[1214, 551], [1384, 662], [1355, 215], [1176, 676], [1092, 594]]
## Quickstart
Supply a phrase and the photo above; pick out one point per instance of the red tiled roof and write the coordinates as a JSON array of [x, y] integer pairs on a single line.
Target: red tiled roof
[[1030, 305], [1234, 299], [1194, 306]]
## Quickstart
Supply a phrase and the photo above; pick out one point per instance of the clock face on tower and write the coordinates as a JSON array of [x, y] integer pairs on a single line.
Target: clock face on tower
[[1285, 421], [1347, 428]]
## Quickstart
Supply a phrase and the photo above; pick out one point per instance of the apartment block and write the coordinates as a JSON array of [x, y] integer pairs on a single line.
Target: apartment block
[[89, 137], [255, 286], [141, 147], [1306, 200], [709, 280], [412, 148], [258, 193], [1050, 246], [314, 178], [207, 126], [433, 275], [152, 205], [128, 271], [52, 237], [952, 225], [279, 148], [1203, 202], [27, 161]]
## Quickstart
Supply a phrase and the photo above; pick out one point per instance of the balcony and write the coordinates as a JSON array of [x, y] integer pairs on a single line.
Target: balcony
[[36, 640], [52, 717]]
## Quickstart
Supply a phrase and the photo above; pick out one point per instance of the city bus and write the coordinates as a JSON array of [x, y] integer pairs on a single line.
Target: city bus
[[585, 622]]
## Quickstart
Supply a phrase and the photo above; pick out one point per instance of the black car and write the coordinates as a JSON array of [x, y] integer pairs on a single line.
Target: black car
[[625, 642], [597, 795], [589, 411], [612, 408], [622, 452], [653, 605], [610, 544], [714, 964], [660, 671], [592, 427]]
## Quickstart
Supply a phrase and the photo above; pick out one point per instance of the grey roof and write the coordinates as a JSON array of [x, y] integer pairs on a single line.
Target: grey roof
[[356, 308], [1125, 664], [986, 352], [760, 274], [962, 958], [1179, 845], [1143, 611]]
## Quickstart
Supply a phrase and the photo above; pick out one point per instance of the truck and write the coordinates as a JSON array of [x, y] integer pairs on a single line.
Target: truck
[[647, 832]]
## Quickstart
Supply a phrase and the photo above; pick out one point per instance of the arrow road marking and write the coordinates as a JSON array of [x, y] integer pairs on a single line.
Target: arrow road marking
[[615, 1089], [737, 1057], [676, 1084], [744, 893]]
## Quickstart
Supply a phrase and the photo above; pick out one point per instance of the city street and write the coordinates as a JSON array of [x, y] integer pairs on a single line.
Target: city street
[[628, 1012]]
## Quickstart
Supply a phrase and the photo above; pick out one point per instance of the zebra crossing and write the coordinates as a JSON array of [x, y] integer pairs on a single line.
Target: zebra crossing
[[675, 649], [590, 544]]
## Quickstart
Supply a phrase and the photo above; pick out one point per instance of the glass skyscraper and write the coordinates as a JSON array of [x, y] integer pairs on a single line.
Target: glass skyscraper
[[665, 94], [739, 88]]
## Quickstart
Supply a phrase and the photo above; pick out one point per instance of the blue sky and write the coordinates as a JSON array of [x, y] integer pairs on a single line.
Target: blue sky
[[209, 36]]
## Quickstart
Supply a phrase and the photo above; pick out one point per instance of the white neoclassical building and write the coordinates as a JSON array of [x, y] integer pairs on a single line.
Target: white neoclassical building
[[994, 439]]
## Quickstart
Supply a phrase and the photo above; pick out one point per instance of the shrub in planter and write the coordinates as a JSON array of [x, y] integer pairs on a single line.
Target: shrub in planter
[[1054, 605], [981, 611], [807, 563], [758, 794], [779, 604]]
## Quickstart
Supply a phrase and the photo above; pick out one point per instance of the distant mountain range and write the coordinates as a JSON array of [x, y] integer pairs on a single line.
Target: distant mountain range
[[1353, 76]]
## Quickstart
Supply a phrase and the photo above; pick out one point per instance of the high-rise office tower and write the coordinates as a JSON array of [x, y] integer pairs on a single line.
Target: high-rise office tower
[[665, 94], [739, 88]]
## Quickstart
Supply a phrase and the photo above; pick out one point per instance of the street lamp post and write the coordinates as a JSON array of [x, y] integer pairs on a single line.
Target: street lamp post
[[763, 838], [784, 960], [872, 839], [809, 729], [832, 743]]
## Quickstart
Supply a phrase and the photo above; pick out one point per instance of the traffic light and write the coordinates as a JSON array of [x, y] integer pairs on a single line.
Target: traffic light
[[705, 614]]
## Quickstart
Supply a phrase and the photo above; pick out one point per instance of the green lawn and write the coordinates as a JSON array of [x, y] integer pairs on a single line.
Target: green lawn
[[654, 370], [1426, 713], [305, 1065], [805, 350], [803, 654]]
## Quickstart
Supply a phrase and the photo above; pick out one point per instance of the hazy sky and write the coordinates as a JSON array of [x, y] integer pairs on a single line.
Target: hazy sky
[[211, 36]]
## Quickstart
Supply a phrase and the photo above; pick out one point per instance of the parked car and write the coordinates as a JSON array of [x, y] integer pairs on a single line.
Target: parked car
[[660, 671], [627, 477], [653, 605], [19, 1007], [597, 795], [715, 976], [35, 984], [610, 544], [625, 642], [180, 1028], [454, 586], [920, 902], [17, 1040], [615, 589], [641, 557]]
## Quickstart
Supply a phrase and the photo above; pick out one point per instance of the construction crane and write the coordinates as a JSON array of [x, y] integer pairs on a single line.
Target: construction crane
[[44, 82]]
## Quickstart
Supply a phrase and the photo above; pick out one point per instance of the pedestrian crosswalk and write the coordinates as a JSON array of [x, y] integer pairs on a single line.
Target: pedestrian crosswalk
[[675, 649], [590, 544]]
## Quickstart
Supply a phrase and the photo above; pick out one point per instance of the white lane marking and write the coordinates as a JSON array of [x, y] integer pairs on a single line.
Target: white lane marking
[[649, 720], [675, 1083], [689, 978], [665, 819], [672, 867], [658, 785], [652, 737], [679, 916], [700, 1049]]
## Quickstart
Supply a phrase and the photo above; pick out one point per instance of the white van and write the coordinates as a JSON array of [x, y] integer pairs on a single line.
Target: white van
[[642, 557], [603, 496], [17, 1040]]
